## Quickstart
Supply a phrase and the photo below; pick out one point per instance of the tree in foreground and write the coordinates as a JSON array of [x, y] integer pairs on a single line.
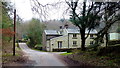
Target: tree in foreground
[[85, 17], [91, 15], [110, 15]]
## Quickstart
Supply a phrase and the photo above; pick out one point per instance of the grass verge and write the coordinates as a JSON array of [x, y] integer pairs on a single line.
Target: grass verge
[[66, 53], [7, 55]]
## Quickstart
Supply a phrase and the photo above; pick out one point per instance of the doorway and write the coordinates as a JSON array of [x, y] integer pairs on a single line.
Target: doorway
[[59, 44]]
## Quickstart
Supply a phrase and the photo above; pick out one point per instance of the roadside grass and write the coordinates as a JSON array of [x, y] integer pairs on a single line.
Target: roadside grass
[[7, 54], [66, 53], [10, 54], [17, 47]]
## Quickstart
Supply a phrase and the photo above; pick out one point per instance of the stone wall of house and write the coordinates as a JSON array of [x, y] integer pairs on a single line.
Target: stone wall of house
[[54, 42], [89, 39], [48, 46], [72, 39]]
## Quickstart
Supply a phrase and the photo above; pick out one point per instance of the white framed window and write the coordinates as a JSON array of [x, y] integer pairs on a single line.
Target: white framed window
[[74, 42], [91, 42], [74, 36], [91, 36]]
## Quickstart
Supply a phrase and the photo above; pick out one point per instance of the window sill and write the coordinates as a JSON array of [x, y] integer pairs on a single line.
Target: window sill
[[74, 45], [74, 38], [91, 37]]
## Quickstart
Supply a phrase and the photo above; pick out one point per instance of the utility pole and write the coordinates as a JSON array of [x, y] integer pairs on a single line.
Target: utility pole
[[14, 32]]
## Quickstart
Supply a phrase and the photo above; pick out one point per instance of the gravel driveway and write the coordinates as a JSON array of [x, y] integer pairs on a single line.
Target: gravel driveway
[[40, 58]]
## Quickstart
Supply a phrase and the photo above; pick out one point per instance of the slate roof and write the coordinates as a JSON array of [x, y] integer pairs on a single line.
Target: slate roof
[[73, 31], [56, 32], [78, 31], [52, 32], [92, 31]]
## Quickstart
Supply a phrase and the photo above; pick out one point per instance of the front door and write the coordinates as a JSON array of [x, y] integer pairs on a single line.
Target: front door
[[59, 44]]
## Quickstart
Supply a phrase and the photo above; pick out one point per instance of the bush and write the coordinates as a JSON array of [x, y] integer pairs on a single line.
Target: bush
[[108, 50], [113, 42], [28, 42], [64, 50], [93, 47], [24, 40], [38, 46], [116, 60], [17, 45], [75, 51]]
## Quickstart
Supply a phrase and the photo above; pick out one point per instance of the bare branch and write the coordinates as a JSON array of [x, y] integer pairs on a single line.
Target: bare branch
[[44, 10]]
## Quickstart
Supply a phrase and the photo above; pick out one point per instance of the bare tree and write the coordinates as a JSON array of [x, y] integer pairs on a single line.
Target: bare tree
[[93, 14], [86, 18], [43, 10], [110, 15]]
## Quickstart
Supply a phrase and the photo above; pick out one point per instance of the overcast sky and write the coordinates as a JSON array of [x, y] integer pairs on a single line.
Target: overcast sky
[[23, 8]]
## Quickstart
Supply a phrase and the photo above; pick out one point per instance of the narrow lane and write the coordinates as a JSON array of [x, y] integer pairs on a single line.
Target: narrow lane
[[40, 58]]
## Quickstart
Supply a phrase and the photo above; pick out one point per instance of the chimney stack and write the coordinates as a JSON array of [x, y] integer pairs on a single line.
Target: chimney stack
[[60, 27], [66, 26]]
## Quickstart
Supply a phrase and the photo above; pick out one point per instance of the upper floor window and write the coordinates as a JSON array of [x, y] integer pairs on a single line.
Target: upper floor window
[[91, 42], [74, 35], [91, 36]]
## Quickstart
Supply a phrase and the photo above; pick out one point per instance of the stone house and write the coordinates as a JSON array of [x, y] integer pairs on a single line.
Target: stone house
[[65, 38], [47, 35]]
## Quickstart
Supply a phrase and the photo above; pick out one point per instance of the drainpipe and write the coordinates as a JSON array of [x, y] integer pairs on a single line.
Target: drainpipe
[[68, 40]]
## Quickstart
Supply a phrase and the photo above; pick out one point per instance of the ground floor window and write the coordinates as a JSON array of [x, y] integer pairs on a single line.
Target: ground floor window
[[74, 43], [91, 42]]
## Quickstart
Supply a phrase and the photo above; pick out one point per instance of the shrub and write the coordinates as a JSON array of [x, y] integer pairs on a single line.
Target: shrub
[[38, 46], [108, 50], [16, 44], [75, 51], [113, 42]]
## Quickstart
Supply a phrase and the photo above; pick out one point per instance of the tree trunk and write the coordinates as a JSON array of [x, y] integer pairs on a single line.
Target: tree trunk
[[83, 44], [83, 40], [106, 39]]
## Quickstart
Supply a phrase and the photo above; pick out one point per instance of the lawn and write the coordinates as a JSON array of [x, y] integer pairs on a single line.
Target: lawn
[[65, 53]]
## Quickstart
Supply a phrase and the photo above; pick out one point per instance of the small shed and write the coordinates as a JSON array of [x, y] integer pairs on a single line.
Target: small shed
[[114, 36]]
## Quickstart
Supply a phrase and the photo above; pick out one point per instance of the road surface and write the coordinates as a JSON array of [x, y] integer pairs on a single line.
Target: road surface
[[40, 58]]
